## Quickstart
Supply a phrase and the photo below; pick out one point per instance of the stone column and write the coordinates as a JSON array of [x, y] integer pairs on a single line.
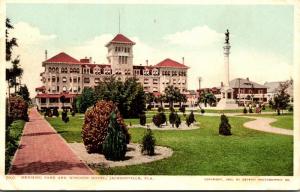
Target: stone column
[[226, 63]]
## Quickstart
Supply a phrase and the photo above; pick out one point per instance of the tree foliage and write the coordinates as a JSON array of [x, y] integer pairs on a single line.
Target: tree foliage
[[86, 99], [207, 98], [148, 143], [129, 96], [173, 95], [95, 127], [281, 98], [24, 93], [224, 127], [114, 145]]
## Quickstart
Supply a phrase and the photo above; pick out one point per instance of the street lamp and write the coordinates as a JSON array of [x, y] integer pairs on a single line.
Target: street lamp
[[199, 79]]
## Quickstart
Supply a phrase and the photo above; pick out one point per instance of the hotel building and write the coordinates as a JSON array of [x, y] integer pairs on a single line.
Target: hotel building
[[66, 76]]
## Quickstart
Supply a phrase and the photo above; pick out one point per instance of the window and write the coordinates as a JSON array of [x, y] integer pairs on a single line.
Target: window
[[136, 72], [146, 72], [155, 81], [86, 80], [97, 80], [78, 79], [57, 88], [53, 78], [43, 100], [57, 79], [155, 72], [64, 79], [75, 79], [64, 88], [70, 79]]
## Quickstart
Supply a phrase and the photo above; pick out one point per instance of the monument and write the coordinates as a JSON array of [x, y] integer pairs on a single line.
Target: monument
[[227, 101]]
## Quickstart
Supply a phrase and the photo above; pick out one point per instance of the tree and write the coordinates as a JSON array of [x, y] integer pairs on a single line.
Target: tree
[[114, 146], [149, 98], [14, 73], [129, 96], [148, 143], [160, 99], [86, 99], [207, 98], [281, 98], [24, 93], [224, 127], [172, 95], [172, 118]]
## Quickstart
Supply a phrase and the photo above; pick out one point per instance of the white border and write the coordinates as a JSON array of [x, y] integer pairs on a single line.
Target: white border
[[159, 182]]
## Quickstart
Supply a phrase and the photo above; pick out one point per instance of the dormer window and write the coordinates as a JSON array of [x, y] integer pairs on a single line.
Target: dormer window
[[146, 72]]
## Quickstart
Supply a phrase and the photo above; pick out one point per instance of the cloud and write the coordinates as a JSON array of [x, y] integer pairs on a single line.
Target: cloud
[[199, 36], [31, 43], [259, 66], [94, 48]]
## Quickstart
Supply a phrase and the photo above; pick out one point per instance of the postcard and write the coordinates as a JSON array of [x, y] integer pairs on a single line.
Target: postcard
[[150, 95]]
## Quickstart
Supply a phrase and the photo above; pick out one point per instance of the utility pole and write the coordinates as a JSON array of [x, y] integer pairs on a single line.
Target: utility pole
[[239, 79]]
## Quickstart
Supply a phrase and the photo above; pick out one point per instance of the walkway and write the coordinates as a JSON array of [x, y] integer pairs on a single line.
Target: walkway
[[263, 124], [43, 151]]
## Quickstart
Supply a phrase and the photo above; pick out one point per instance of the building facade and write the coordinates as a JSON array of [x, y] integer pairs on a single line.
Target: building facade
[[244, 91], [66, 76]]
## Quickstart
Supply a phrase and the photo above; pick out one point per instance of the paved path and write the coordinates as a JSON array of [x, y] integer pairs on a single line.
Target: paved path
[[263, 124], [43, 151]]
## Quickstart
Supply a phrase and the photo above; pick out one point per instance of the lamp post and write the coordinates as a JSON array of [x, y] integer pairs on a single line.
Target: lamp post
[[199, 80], [239, 79]]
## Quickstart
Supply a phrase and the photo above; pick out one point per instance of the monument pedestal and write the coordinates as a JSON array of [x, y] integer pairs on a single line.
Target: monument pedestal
[[227, 101]]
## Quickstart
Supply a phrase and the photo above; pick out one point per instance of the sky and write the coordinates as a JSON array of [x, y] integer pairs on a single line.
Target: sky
[[261, 37]]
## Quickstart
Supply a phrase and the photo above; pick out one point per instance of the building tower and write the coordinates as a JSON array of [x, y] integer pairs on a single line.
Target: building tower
[[120, 56], [227, 101]]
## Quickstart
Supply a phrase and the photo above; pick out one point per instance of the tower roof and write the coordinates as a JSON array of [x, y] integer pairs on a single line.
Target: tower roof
[[62, 58], [119, 38], [170, 63]]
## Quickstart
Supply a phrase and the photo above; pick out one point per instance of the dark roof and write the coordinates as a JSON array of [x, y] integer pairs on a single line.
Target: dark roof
[[244, 83]]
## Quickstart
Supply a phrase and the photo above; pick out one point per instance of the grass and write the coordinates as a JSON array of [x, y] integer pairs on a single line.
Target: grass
[[203, 152], [12, 141]]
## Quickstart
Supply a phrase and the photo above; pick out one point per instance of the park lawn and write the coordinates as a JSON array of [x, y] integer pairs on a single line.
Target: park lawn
[[285, 120], [203, 152]]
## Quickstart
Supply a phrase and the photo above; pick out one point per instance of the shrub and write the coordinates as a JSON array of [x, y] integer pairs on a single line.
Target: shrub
[[17, 109], [114, 145], [250, 110], [95, 127], [177, 121], [148, 143], [160, 109], [245, 110], [73, 113], [159, 119], [182, 109], [55, 112], [202, 111], [224, 127], [172, 118], [263, 107], [143, 119], [149, 107], [64, 116], [190, 119], [290, 108], [171, 109]]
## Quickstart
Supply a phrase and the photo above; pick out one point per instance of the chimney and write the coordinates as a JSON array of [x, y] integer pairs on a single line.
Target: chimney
[[182, 60], [90, 61], [46, 57], [247, 78], [222, 84], [146, 62]]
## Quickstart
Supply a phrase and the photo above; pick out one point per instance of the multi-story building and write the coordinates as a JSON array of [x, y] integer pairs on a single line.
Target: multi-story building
[[244, 91], [66, 76]]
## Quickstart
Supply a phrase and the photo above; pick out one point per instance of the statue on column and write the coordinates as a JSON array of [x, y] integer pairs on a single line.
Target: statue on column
[[227, 36]]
